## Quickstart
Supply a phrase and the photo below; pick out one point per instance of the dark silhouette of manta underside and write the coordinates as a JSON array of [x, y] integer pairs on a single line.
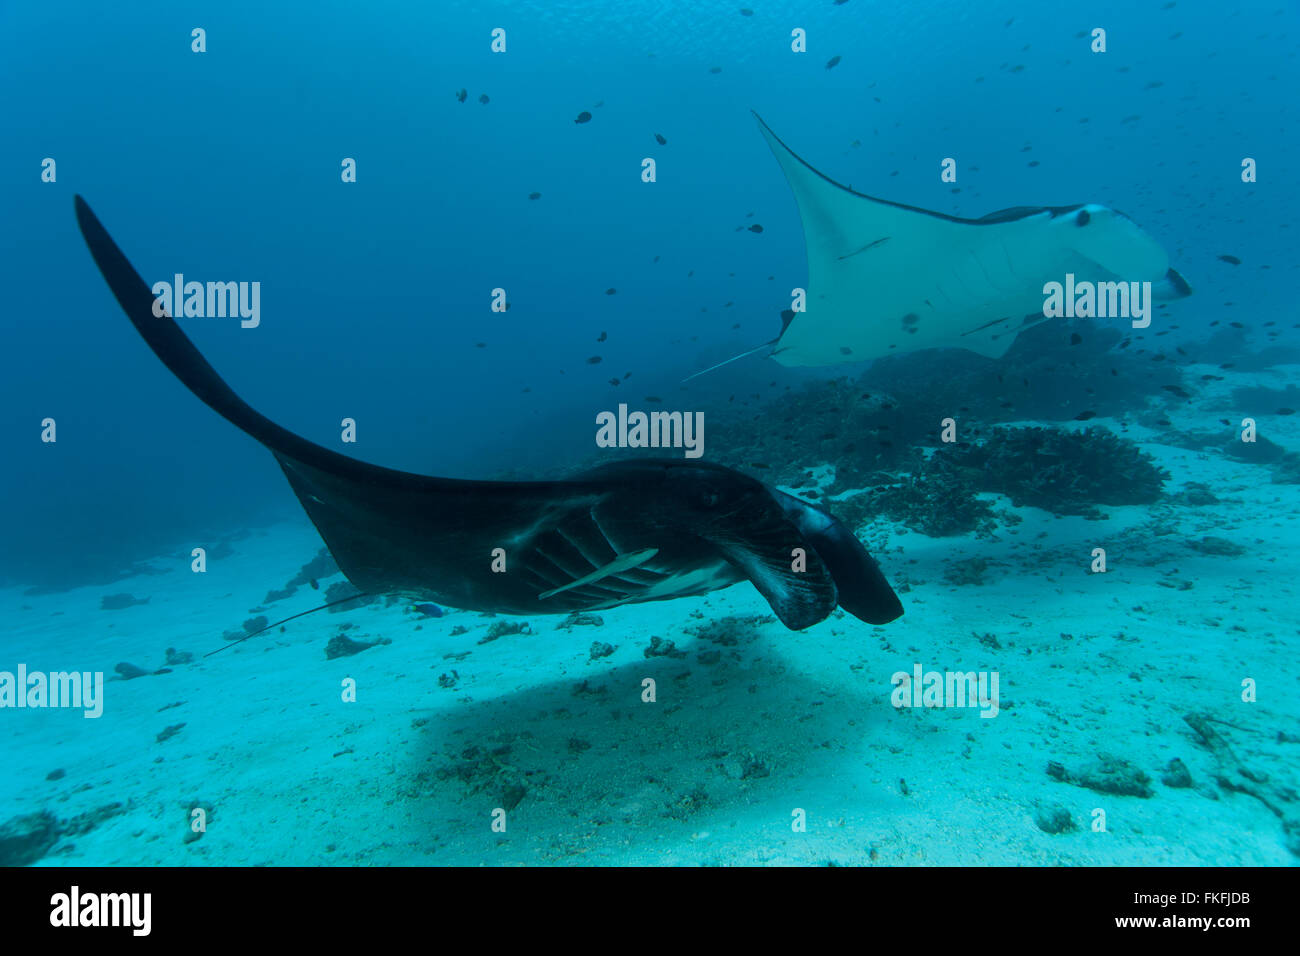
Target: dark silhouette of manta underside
[[630, 531]]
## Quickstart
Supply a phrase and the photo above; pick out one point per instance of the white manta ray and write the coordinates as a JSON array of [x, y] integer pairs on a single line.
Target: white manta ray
[[885, 278]]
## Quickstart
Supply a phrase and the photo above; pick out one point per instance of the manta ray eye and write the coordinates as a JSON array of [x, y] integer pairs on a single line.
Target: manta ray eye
[[708, 498], [1083, 218]]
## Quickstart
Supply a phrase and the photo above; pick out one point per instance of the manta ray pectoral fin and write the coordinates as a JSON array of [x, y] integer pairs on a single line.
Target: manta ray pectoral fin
[[624, 562], [173, 347], [390, 531]]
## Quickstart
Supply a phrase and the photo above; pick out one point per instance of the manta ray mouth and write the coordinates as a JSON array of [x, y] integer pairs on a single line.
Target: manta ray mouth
[[861, 587]]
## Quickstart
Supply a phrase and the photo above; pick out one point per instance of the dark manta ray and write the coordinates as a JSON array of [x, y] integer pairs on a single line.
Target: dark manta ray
[[630, 531]]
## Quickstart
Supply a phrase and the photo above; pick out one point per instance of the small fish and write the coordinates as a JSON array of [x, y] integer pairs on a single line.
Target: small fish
[[462, 96], [534, 195], [758, 464], [484, 99], [1232, 259], [427, 610], [583, 117], [660, 140], [1176, 390], [832, 62], [594, 360], [715, 69], [654, 399], [755, 228], [1084, 416], [611, 291], [1075, 338], [1286, 411], [746, 12], [613, 381], [480, 345], [602, 337]]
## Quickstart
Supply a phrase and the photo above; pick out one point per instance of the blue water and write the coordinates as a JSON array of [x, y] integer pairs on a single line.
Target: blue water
[[376, 294]]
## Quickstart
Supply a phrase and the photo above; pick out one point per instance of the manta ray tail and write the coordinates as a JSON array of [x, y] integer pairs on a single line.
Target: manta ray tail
[[734, 358], [286, 620], [786, 318]]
